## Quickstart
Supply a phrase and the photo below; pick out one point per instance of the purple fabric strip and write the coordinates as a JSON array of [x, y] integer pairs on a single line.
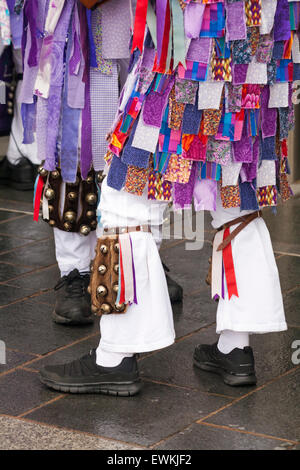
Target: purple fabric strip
[[31, 8], [193, 16], [28, 112], [249, 170], [183, 193], [235, 21], [155, 105], [242, 149], [282, 27], [93, 58], [161, 8], [86, 155], [239, 73], [268, 115], [199, 50], [76, 85], [133, 272]]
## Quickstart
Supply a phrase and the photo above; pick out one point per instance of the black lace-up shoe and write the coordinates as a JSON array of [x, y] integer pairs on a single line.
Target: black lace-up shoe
[[236, 368], [175, 290], [20, 176], [85, 376], [73, 302]]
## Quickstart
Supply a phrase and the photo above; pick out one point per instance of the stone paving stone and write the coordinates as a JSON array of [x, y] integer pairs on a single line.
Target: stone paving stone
[[21, 391], [11, 194], [28, 327], [40, 254], [188, 268], [10, 294], [200, 437], [274, 410], [289, 272], [14, 359], [9, 271], [291, 305], [154, 414], [67, 354], [37, 281], [45, 298], [18, 434], [6, 215], [10, 243], [25, 227], [175, 364], [288, 216]]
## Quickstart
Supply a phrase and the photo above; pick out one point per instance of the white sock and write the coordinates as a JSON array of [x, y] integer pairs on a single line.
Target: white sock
[[110, 359], [230, 340], [82, 271]]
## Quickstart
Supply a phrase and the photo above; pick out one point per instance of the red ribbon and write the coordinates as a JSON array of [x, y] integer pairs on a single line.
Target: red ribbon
[[37, 199], [229, 267], [139, 25]]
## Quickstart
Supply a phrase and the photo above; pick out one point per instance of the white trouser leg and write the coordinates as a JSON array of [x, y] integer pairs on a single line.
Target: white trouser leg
[[16, 149], [259, 307], [148, 325], [74, 251]]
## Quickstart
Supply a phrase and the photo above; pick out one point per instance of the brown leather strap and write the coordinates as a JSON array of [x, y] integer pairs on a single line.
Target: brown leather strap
[[244, 221], [120, 230]]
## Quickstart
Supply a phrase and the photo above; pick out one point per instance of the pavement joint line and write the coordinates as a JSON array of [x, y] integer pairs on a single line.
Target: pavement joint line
[[29, 273], [284, 253], [9, 235], [23, 299], [39, 358], [188, 389], [16, 211], [167, 438], [32, 242], [291, 290], [76, 431], [42, 405], [12, 219], [257, 389], [251, 433]]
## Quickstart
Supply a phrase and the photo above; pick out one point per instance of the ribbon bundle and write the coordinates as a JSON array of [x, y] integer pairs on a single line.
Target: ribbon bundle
[[127, 278]]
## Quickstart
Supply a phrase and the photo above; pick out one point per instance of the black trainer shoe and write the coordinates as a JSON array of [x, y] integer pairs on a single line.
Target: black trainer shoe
[[85, 376], [73, 302], [175, 290], [20, 176], [236, 368]]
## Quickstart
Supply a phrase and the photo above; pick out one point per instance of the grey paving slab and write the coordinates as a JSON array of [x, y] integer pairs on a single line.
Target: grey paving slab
[[14, 359], [17, 434], [292, 307], [285, 226], [274, 410], [40, 254], [45, 298], [200, 437], [154, 414], [10, 294], [29, 328], [25, 227], [273, 355], [6, 215], [21, 391], [11, 243], [9, 271], [289, 272], [37, 281], [11, 194]]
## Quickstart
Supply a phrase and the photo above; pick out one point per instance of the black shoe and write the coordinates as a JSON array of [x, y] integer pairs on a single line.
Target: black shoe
[[73, 302], [236, 368], [20, 176], [85, 376], [175, 290]]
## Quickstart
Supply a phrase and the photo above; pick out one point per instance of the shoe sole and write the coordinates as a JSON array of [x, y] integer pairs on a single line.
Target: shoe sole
[[126, 389], [234, 380], [68, 321]]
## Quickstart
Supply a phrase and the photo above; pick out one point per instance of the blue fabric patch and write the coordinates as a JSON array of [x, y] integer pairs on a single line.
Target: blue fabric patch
[[117, 174], [248, 196]]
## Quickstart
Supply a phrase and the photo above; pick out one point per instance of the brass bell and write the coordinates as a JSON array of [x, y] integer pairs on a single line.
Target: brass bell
[[104, 249], [72, 196], [52, 223], [102, 291], [91, 199], [84, 230], [105, 309], [90, 214], [12, 88], [10, 104], [120, 307], [70, 216], [89, 180], [116, 268], [89, 290], [51, 209], [9, 111], [93, 224], [42, 171], [117, 247], [55, 174], [94, 309], [116, 288], [102, 269], [67, 226], [49, 194], [100, 177], [11, 96]]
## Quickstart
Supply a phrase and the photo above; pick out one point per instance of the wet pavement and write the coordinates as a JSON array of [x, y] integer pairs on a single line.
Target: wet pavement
[[179, 408]]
